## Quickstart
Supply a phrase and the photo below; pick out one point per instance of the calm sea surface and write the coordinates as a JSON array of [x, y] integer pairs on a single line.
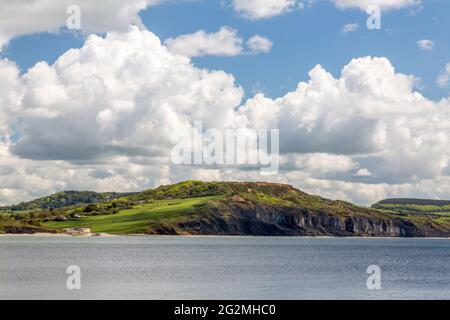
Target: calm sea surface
[[223, 268]]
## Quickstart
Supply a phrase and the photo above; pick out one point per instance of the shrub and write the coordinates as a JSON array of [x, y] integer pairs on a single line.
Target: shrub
[[91, 208]]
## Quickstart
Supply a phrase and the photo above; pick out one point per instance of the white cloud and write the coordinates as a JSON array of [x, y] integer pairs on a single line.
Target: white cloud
[[325, 114], [319, 164], [225, 42], [383, 4], [11, 89], [23, 179], [363, 173], [262, 9], [371, 114], [426, 45], [122, 94], [351, 27], [33, 16], [259, 44], [444, 78]]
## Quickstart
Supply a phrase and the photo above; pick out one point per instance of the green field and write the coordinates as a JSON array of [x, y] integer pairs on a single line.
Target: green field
[[140, 219], [413, 207]]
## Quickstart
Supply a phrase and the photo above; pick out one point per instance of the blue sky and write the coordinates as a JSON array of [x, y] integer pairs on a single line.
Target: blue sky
[[302, 39]]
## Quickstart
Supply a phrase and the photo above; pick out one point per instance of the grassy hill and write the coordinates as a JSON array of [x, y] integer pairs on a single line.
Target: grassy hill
[[139, 219], [221, 208], [414, 206], [64, 199]]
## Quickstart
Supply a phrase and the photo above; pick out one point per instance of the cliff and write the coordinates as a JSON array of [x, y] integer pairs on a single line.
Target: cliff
[[231, 218]]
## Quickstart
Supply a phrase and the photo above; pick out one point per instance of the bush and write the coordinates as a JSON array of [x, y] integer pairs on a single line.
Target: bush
[[91, 208]]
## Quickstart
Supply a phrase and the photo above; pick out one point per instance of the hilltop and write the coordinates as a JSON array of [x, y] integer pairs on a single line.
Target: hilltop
[[414, 206], [64, 199], [226, 208]]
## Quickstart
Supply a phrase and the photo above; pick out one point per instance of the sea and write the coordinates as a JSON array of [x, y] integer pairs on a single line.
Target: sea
[[223, 268]]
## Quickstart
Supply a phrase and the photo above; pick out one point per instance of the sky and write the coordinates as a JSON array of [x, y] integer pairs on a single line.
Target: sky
[[363, 113]]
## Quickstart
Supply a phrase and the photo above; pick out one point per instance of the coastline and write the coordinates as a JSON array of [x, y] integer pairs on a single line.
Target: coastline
[[43, 234], [34, 234], [51, 235]]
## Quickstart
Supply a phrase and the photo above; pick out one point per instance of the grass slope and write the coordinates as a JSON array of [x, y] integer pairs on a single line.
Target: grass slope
[[414, 206], [141, 218], [417, 210]]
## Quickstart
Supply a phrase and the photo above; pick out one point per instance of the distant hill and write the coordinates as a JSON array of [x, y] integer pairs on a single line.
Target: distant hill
[[412, 206], [422, 202], [64, 199], [219, 208]]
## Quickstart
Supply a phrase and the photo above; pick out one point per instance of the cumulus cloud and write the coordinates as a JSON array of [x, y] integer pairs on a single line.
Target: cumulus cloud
[[319, 164], [225, 42], [382, 4], [337, 115], [371, 114], [103, 117], [27, 17], [25, 179], [444, 78], [121, 94], [11, 89], [426, 45], [259, 44], [363, 173], [262, 9]]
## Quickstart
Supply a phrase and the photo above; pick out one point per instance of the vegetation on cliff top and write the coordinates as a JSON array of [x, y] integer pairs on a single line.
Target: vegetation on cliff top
[[64, 199], [414, 206]]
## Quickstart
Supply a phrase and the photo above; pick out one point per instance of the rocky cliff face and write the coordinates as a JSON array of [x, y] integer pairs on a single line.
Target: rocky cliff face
[[237, 218]]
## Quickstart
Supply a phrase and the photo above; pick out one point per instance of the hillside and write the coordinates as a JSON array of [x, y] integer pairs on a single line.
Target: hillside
[[64, 199], [414, 206], [227, 208]]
